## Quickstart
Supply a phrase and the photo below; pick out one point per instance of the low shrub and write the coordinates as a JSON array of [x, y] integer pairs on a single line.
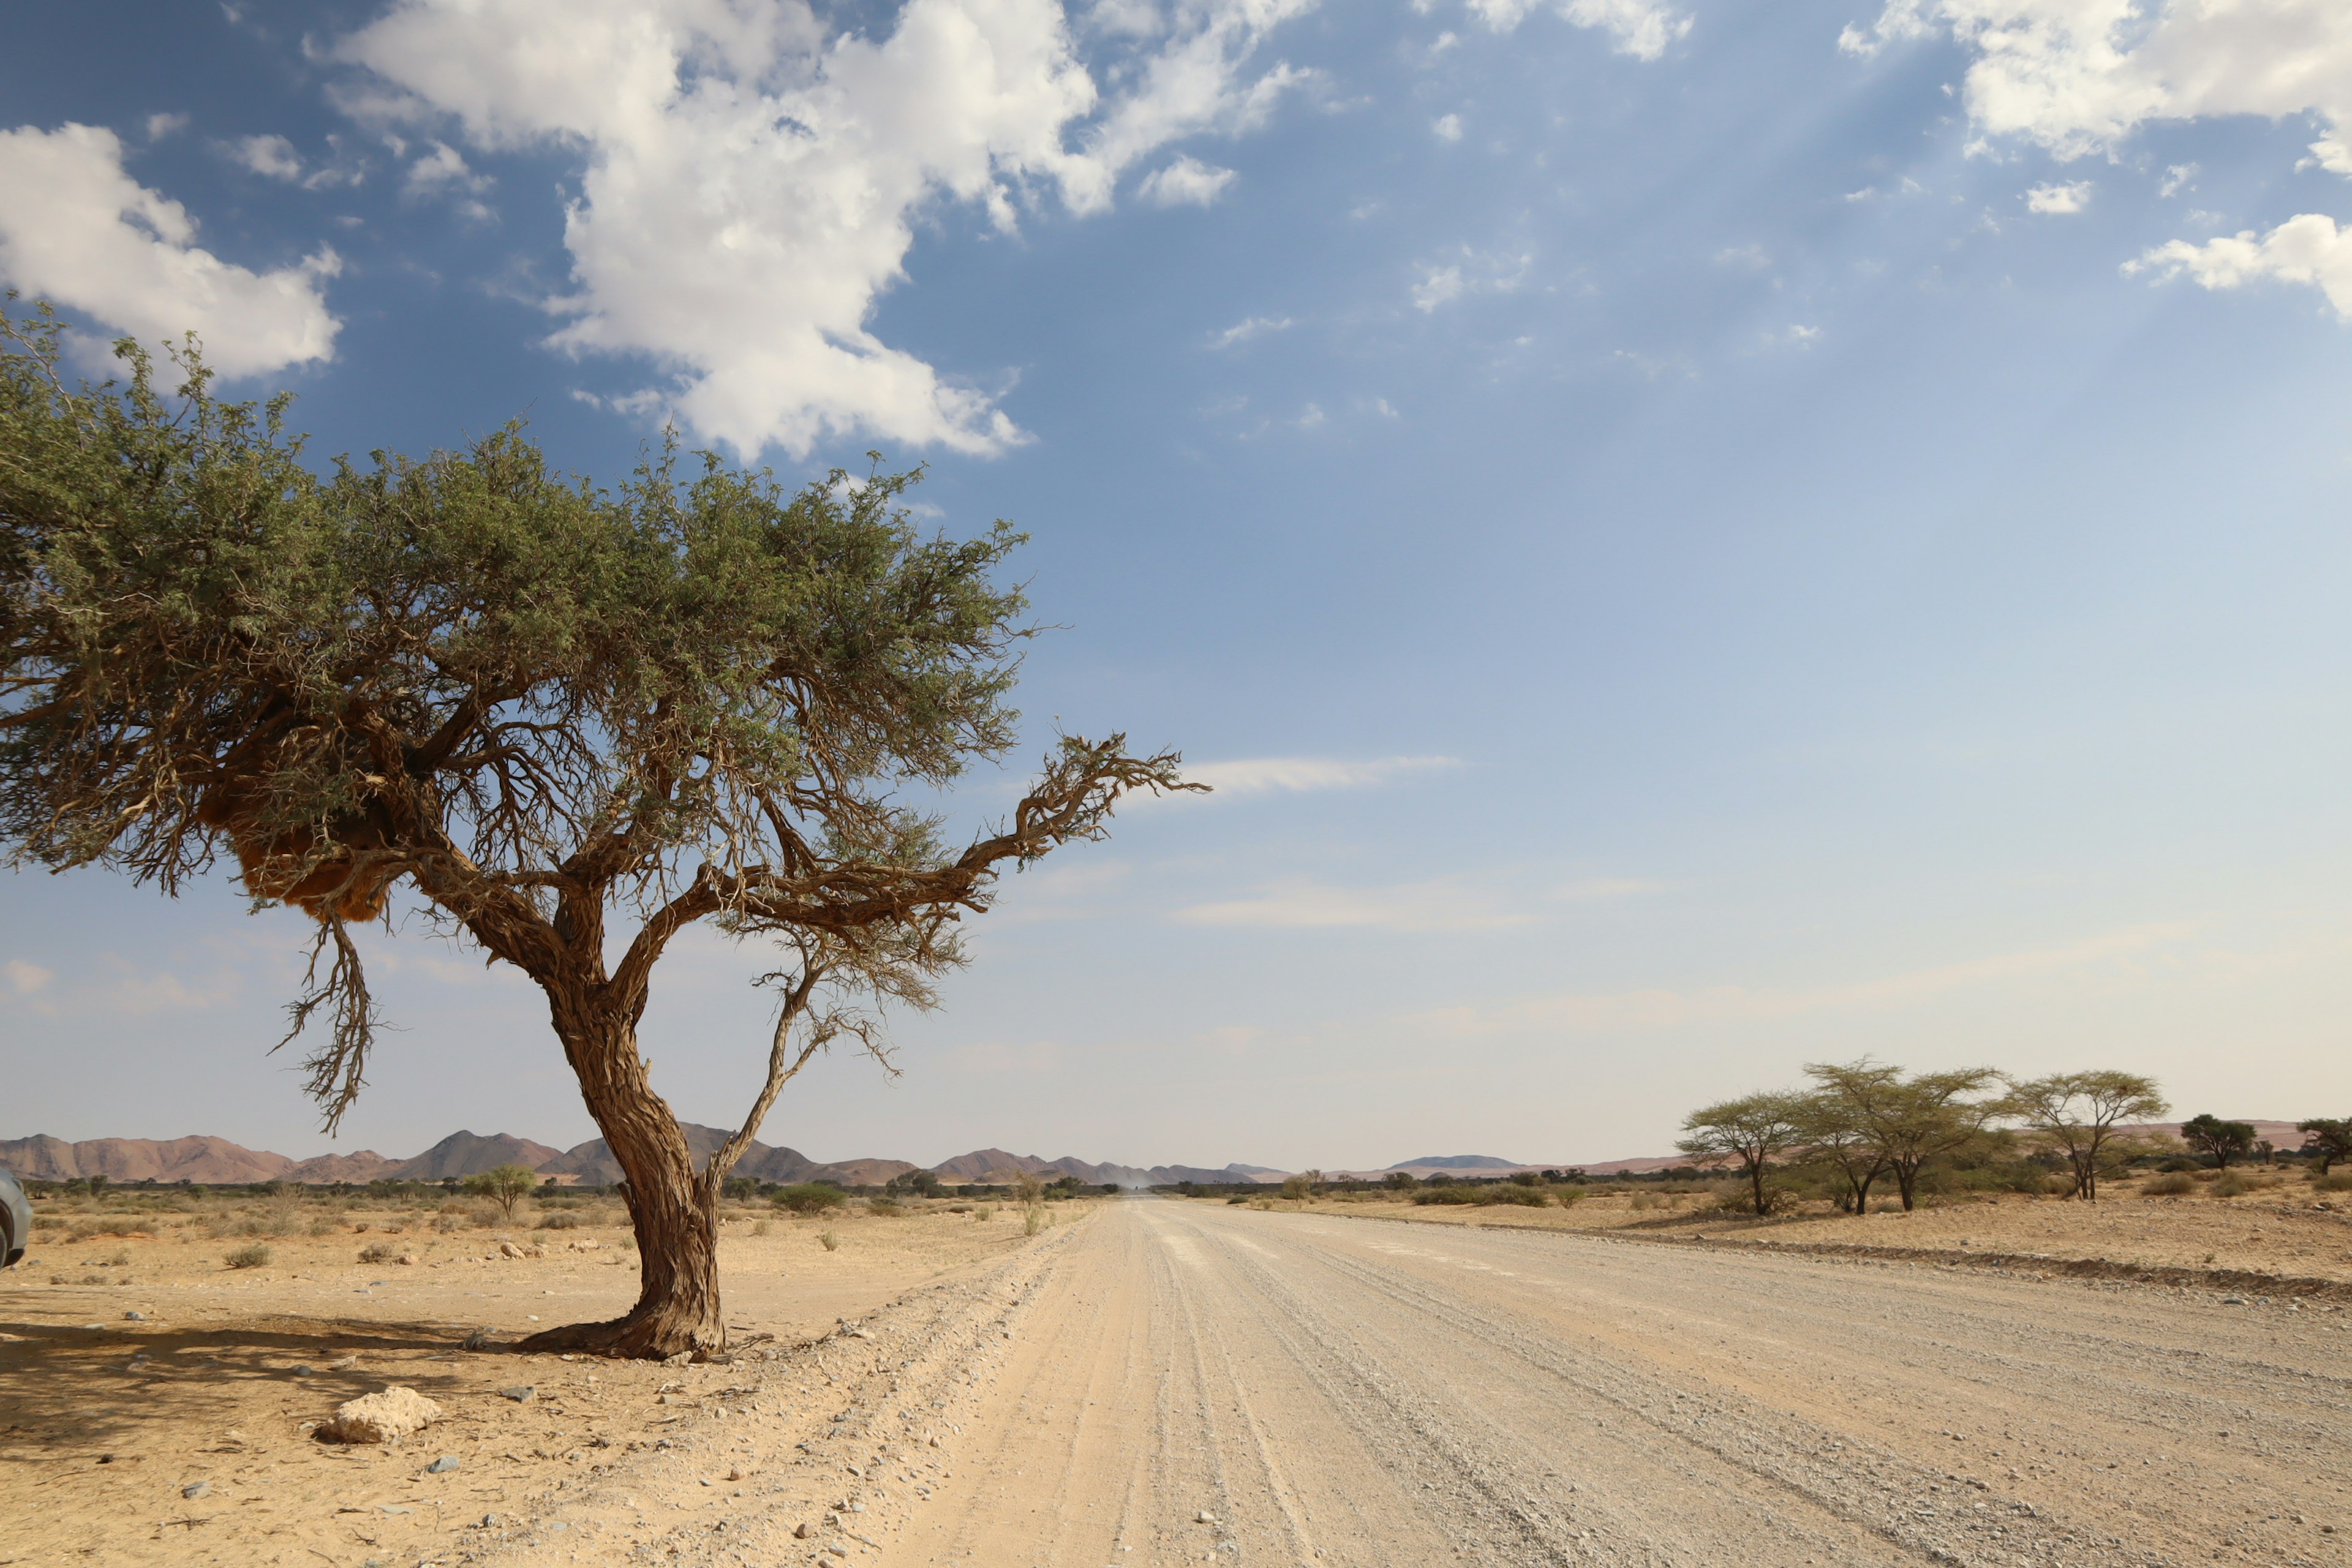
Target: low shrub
[[1513, 1193], [559, 1220], [885, 1207], [252, 1256], [832, 1242], [759, 1227], [809, 1198], [1453, 1194], [2170, 1185], [2230, 1186], [2334, 1182], [379, 1252]]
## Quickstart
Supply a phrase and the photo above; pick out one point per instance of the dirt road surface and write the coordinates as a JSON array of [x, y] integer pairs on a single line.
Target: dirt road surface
[[1188, 1382]]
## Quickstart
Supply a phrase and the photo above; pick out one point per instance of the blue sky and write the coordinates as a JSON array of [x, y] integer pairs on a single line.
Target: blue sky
[[1696, 537]]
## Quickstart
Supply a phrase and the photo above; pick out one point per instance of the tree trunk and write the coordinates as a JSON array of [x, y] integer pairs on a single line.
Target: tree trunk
[[674, 1214], [1906, 1178]]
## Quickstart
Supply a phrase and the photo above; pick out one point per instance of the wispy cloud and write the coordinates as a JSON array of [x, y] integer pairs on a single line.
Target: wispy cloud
[[1253, 327], [2070, 197], [1266, 775], [1667, 1009], [1448, 904]]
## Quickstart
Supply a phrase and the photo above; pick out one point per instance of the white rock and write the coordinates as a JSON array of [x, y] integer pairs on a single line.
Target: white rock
[[384, 1417]]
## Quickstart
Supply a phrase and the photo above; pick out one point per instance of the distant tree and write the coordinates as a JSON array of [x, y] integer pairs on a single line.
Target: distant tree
[[1755, 1130], [2074, 1115], [1397, 1181], [570, 723], [1911, 1120], [2327, 1140], [1831, 1127], [2224, 1141], [1297, 1187], [505, 1185]]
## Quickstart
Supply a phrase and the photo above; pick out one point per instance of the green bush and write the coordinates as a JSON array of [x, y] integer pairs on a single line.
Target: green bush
[[2230, 1186], [809, 1198], [884, 1207], [1513, 1193], [252, 1256], [1453, 1192]]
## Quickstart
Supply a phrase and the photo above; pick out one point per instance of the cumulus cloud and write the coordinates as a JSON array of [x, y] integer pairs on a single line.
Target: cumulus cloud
[[2078, 75], [76, 229], [272, 157], [2068, 198], [1446, 128], [2308, 249], [1187, 181], [1642, 29], [23, 978], [1294, 775], [752, 173], [1489, 272]]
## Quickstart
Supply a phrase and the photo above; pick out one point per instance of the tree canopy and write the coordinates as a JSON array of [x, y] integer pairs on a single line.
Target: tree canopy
[[540, 705]]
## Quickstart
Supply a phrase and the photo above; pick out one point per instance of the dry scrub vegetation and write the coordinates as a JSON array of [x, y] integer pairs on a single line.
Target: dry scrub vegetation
[[2288, 1223]]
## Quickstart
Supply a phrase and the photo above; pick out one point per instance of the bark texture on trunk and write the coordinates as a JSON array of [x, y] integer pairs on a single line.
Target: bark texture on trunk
[[674, 1211]]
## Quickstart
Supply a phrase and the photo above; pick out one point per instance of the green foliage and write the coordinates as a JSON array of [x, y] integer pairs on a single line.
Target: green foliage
[[1398, 1181], [1444, 1193], [1755, 1130], [2327, 1140], [2223, 1140], [505, 1185], [809, 1198], [1513, 1193]]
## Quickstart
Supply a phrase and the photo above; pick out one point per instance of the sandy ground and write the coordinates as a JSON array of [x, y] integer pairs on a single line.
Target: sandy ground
[[1154, 1382], [109, 1423], [1193, 1382], [2287, 1230]]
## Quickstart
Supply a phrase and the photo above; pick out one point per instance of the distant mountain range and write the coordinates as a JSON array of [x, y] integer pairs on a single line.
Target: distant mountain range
[[216, 1160]]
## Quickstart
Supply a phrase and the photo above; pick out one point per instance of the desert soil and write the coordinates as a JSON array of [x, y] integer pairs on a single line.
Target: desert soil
[[107, 1421], [1158, 1382], [2287, 1230]]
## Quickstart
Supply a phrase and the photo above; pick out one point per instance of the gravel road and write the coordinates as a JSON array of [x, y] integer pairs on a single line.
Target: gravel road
[[1188, 1383]]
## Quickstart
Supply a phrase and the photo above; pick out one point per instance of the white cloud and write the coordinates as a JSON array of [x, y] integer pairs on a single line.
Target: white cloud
[[2072, 197], [2078, 75], [1642, 28], [272, 157], [1752, 257], [1616, 1011], [2308, 248], [1477, 272], [1446, 128], [1299, 776], [1450, 904], [78, 230], [1438, 286], [1187, 181], [443, 168], [752, 176], [1255, 326], [162, 125], [23, 978], [2177, 178]]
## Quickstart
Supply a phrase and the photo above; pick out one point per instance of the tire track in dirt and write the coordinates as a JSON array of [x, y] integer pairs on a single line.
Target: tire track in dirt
[[1332, 1393]]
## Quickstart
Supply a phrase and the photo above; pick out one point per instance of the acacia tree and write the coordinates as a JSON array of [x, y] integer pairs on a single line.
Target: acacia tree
[[2327, 1139], [1755, 1128], [1910, 1121], [566, 723], [505, 1185], [2225, 1141], [1833, 1133], [2075, 1114]]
